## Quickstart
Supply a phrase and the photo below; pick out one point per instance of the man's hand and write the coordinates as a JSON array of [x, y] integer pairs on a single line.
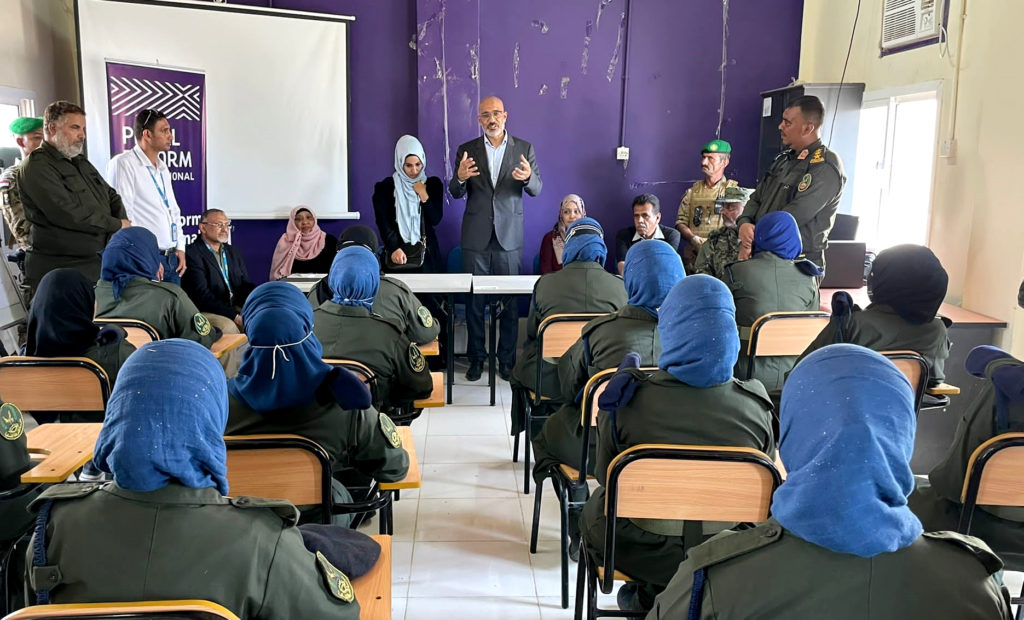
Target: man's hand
[[697, 241], [746, 240], [467, 168], [160, 273], [523, 171], [181, 262], [421, 190], [398, 257], [125, 223], [238, 322]]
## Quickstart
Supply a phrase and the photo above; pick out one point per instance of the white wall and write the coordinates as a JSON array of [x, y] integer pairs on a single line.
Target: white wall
[[37, 49]]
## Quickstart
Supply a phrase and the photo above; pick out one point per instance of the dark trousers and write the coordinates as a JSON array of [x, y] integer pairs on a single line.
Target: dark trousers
[[170, 262], [38, 265], [493, 260]]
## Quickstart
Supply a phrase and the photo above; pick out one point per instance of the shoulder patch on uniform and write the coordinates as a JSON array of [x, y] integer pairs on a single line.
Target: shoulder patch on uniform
[[817, 158], [390, 431], [425, 317], [975, 546], [12, 423], [804, 183], [416, 361], [730, 544], [337, 581], [281, 507], [202, 324]]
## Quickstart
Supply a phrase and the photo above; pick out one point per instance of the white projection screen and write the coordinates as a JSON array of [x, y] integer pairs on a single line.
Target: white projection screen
[[276, 95]]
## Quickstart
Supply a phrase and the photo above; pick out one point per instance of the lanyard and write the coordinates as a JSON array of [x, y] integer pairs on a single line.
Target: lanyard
[[223, 266], [162, 190]]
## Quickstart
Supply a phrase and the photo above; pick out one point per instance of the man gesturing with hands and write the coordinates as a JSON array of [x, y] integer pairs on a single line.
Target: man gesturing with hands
[[494, 171]]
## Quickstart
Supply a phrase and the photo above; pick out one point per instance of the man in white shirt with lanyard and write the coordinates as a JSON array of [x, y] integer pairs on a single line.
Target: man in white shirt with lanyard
[[144, 184]]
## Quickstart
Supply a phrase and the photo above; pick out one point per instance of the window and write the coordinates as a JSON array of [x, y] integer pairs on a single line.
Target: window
[[12, 102], [894, 166]]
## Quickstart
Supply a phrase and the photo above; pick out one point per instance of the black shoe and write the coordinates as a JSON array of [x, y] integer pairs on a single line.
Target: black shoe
[[505, 372], [628, 597], [574, 547], [476, 370]]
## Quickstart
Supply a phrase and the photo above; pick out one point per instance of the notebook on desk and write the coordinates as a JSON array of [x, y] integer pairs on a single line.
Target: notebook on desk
[[844, 264]]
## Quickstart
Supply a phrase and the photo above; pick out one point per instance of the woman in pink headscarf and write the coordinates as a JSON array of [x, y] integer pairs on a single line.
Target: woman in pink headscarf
[[303, 248]]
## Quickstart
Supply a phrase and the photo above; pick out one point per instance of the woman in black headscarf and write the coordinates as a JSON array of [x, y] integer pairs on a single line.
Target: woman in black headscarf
[[906, 286]]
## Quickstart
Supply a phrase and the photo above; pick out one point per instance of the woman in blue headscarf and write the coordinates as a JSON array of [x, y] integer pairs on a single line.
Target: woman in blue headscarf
[[691, 399], [163, 529], [842, 542], [775, 279], [129, 288], [348, 330], [582, 285]]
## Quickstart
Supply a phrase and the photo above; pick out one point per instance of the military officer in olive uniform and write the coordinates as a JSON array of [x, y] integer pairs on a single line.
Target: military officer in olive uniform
[[818, 556], [348, 330], [28, 134], [163, 529], [71, 209], [699, 212], [806, 180], [723, 245], [692, 399], [773, 280]]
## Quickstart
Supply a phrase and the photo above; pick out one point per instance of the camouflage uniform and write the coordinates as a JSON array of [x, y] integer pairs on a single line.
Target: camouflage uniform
[[14, 212], [721, 249]]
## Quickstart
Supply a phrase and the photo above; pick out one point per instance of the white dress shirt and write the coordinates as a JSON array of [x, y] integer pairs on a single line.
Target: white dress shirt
[[140, 184], [494, 156]]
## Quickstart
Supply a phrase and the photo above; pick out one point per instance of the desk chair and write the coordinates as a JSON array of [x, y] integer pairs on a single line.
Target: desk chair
[[139, 332], [913, 366], [169, 610], [783, 334], [60, 385], [686, 483], [402, 417], [555, 335]]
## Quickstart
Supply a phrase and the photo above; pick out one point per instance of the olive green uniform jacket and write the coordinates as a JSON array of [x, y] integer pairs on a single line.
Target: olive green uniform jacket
[[763, 284], [14, 461], [394, 301], [105, 543], [602, 345], [164, 306], [580, 286], [352, 333], [808, 188], [769, 572], [667, 411]]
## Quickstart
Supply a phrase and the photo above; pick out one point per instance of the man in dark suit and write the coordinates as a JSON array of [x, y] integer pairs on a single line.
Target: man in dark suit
[[646, 225], [216, 278], [493, 172]]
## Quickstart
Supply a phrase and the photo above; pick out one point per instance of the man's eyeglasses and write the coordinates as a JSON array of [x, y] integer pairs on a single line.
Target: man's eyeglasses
[[486, 116], [221, 225], [149, 116]]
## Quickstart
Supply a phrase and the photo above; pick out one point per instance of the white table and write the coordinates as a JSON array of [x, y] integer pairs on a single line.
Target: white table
[[497, 286]]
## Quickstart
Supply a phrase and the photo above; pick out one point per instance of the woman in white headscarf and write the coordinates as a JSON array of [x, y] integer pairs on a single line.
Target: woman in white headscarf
[[407, 206], [553, 243]]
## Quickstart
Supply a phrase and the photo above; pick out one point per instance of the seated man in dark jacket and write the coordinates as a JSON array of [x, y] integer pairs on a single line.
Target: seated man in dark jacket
[[646, 225], [216, 278]]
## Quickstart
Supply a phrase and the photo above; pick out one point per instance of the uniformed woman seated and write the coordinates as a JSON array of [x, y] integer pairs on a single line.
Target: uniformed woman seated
[[692, 399], [773, 280], [997, 408], [906, 286], [163, 529], [283, 386], [129, 288], [15, 497], [841, 542], [348, 330], [582, 285], [651, 270]]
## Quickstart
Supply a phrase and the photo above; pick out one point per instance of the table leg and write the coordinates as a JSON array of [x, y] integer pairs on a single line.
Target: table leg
[[450, 344], [492, 347]]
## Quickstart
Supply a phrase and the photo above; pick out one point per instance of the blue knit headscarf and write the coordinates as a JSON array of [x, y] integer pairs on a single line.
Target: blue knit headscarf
[[651, 270], [778, 233], [165, 420], [846, 435], [354, 277], [584, 241], [131, 253], [697, 325]]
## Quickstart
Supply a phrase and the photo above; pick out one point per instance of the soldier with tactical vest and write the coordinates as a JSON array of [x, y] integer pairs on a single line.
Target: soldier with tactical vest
[[699, 212], [723, 245]]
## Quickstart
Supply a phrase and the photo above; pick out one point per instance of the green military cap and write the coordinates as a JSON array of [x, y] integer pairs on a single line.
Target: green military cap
[[734, 194], [717, 146], [25, 124]]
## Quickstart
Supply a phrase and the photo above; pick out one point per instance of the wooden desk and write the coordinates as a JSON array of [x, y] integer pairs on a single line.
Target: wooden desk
[[373, 590], [436, 398], [412, 479], [227, 342], [66, 448], [961, 317], [431, 348]]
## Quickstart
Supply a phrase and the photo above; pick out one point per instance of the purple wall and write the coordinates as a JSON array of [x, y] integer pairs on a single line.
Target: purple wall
[[671, 108]]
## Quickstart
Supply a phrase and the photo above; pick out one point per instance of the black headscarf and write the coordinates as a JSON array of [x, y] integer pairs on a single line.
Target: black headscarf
[[359, 235], [911, 280], [60, 320]]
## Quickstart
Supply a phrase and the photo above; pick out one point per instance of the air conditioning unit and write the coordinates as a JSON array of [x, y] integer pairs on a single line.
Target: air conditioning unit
[[905, 22]]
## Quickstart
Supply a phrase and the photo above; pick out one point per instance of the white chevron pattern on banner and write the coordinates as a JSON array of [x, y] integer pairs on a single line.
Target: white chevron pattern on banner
[[129, 95]]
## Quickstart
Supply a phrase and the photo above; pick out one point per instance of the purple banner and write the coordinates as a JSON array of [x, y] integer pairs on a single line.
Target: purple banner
[[181, 95]]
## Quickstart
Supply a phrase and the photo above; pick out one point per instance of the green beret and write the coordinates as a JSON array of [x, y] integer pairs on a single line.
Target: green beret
[[25, 124], [734, 194], [717, 146]]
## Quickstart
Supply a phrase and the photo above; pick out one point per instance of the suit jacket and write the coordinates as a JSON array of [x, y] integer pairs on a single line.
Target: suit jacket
[[495, 207], [204, 283]]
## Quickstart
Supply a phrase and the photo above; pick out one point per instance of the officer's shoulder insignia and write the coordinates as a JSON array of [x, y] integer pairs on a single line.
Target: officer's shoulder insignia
[[802, 155], [12, 423], [416, 361], [337, 581], [202, 324], [732, 543], [975, 546], [425, 317], [804, 183], [390, 431], [817, 158], [283, 508]]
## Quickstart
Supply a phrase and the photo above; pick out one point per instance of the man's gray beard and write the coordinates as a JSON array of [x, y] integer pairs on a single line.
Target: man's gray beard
[[67, 150]]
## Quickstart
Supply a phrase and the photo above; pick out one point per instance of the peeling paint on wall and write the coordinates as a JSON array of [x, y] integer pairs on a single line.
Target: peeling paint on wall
[[565, 87], [614, 62], [543, 89], [586, 46], [515, 65], [412, 42], [474, 62], [540, 25], [722, 67], [601, 4], [641, 184]]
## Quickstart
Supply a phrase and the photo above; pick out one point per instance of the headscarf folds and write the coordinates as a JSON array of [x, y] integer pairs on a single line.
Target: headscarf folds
[[911, 280], [131, 253], [165, 420], [846, 436], [584, 240], [60, 318], [697, 325], [558, 238], [295, 244], [777, 233], [407, 201], [354, 277], [651, 270]]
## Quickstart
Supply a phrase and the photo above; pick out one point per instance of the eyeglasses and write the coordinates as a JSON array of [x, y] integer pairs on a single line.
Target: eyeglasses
[[221, 225], [149, 117], [486, 116]]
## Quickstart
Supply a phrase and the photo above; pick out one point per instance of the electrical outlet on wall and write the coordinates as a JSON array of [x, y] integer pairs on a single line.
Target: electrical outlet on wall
[[947, 148], [622, 153]]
